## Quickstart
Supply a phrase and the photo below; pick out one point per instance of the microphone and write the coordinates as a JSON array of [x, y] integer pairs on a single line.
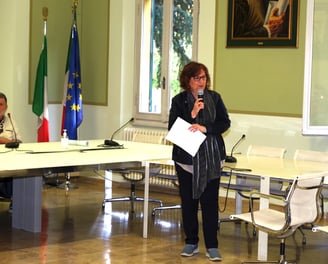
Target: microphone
[[231, 158], [15, 144], [200, 94], [111, 142]]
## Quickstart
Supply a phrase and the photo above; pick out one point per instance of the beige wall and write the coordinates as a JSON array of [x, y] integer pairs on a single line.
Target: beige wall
[[101, 121], [259, 79]]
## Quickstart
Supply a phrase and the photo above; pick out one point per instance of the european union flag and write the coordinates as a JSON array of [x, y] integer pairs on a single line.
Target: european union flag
[[73, 107]]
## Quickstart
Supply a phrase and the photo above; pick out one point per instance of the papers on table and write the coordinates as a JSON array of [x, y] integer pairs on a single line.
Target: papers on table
[[180, 135]]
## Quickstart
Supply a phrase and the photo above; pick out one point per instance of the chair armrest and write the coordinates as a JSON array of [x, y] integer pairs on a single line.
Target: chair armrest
[[257, 218], [255, 194]]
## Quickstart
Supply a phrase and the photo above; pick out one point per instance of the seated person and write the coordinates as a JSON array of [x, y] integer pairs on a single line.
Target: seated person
[[8, 133]]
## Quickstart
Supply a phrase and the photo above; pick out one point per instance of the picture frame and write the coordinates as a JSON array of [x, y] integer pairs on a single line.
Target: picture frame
[[273, 24]]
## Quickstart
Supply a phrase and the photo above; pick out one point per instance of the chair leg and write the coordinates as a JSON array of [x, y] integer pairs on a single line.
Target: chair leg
[[303, 235], [222, 220], [161, 208], [282, 258], [249, 210], [282, 251], [132, 198], [322, 204]]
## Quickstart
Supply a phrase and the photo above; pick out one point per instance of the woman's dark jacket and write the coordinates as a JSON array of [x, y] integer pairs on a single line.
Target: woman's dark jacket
[[181, 108]]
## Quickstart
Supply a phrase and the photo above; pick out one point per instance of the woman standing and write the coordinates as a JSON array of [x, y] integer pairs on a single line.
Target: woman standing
[[199, 176]]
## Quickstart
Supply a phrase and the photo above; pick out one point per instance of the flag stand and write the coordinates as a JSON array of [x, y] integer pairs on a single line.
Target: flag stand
[[70, 120], [67, 185]]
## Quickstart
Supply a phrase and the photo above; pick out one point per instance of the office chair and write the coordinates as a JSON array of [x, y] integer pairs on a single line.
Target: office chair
[[52, 178], [316, 156], [245, 184], [300, 207], [168, 172], [136, 175]]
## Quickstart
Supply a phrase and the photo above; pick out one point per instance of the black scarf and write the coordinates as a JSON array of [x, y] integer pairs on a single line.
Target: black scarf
[[207, 161]]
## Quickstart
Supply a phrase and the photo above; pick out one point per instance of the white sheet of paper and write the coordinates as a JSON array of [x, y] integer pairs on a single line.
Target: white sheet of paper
[[180, 135]]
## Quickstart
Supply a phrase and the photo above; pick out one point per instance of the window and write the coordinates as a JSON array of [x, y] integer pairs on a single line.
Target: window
[[315, 99], [168, 31]]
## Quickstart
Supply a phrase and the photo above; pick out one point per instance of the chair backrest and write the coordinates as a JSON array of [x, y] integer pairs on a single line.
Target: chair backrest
[[266, 151], [310, 155], [303, 198]]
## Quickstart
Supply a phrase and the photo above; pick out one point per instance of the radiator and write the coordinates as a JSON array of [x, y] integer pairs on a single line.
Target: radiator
[[129, 133], [166, 177]]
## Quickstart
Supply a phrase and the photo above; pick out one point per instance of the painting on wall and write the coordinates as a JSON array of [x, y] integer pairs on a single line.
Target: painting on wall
[[262, 23]]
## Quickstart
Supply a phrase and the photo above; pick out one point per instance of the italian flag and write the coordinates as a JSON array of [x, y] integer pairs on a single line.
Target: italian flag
[[40, 99]]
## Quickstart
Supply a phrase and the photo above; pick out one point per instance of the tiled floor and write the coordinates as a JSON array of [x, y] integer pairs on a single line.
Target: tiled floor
[[76, 230]]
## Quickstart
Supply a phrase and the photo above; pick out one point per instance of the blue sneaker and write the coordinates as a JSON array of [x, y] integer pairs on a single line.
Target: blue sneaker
[[213, 254], [189, 250]]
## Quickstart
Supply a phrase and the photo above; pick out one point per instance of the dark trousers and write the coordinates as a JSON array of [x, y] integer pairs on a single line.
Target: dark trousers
[[209, 207], [6, 187]]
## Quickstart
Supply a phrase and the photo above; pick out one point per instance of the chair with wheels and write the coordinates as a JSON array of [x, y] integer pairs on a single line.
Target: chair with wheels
[[168, 173], [300, 207], [135, 175], [245, 184]]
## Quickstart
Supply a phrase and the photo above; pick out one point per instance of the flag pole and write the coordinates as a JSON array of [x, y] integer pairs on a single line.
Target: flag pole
[[74, 7], [45, 18], [75, 4], [40, 98], [72, 100]]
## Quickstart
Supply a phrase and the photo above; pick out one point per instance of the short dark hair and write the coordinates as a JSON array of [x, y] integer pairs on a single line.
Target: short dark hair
[[190, 70], [2, 95]]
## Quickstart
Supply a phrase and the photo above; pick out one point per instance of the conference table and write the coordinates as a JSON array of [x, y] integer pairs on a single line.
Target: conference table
[[266, 169], [31, 161]]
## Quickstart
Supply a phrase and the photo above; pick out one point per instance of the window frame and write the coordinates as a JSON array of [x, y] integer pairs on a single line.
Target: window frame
[[310, 80], [158, 119]]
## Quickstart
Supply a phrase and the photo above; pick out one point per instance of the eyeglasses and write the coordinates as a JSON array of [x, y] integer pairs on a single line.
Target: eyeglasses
[[199, 78]]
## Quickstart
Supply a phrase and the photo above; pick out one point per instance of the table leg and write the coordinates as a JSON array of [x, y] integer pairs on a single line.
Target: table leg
[[238, 198], [27, 202], [262, 250], [146, 196]]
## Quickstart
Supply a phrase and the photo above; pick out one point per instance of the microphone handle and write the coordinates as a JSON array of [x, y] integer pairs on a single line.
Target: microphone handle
[[234, 146], [200, 94], [116, 131], [14, 144], [110, 142], [11, 122], [231, 158]]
